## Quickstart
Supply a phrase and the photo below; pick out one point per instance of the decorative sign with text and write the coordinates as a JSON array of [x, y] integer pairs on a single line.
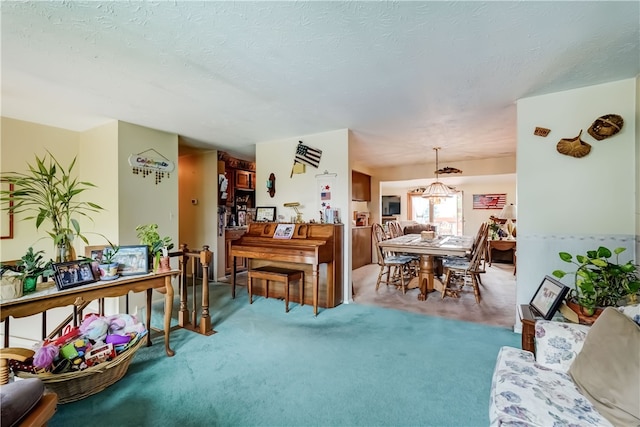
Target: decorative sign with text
[[150, 161]]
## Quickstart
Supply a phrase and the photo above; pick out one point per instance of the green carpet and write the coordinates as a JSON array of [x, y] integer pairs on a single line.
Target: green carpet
[[350, 366]]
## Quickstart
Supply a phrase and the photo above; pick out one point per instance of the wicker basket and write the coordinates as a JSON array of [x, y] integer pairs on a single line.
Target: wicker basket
[[76, 385]]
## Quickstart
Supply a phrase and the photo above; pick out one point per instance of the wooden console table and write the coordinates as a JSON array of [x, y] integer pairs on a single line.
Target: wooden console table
[[47, 296], [501, 245]]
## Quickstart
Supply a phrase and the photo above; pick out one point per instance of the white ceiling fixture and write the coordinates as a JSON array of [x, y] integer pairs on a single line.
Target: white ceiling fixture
[[437, 190], [227, 75]]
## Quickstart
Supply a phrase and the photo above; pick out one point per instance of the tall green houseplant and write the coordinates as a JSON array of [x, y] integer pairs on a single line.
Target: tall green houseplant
[[48, 194]]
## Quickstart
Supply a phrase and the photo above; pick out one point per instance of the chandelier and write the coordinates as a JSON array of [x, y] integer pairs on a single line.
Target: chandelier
[[437, 189]]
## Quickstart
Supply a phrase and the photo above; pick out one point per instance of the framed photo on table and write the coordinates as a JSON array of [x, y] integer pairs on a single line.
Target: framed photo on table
[[73, 273], [548, 297], [132, 259], [265, 213]]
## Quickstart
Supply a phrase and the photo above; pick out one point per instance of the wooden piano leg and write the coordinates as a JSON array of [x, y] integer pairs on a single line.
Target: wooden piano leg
[[233, 280], [315, 289], [148, 317]]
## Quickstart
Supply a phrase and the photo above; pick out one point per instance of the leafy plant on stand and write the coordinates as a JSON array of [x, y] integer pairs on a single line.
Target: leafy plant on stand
[[599, 282], [158, 246], [108, 265], [31, 266], [49, 193]]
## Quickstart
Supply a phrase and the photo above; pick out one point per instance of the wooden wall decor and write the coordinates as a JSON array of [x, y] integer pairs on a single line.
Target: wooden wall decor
[[574, 147], [605, 126], [271, 185], [541, 131]]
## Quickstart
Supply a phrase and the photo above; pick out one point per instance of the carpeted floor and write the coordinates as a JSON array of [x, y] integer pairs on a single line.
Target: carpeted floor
[[354, 365]]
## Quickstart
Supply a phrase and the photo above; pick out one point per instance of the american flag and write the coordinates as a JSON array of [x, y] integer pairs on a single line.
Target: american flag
[[308, 155]]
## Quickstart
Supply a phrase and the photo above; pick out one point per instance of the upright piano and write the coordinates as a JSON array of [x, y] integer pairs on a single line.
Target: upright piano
[[314, 248]]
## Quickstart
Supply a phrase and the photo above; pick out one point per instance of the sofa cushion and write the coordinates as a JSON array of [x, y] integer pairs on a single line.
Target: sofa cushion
[[524, 393], [558, 343], [18, 398], [632, 312], [607, 370]]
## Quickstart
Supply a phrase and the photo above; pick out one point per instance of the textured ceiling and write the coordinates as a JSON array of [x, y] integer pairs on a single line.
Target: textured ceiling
[[403, 76]]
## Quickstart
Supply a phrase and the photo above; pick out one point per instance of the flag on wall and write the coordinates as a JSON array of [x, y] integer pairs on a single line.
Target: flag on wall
[[308, 155]]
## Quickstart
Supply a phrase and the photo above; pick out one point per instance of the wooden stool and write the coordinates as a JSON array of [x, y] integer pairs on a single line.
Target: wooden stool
[[276, 274]]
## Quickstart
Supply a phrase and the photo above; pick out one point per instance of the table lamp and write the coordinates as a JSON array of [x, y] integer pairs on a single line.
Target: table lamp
[[509, 212]]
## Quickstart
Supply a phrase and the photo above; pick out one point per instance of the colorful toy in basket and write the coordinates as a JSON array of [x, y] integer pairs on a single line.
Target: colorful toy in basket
[[98, 339]]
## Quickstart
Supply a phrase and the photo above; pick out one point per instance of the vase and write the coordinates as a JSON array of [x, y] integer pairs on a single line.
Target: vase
[[108, 271], [583, 317], [165, 264], [65, 252], [29, 284]]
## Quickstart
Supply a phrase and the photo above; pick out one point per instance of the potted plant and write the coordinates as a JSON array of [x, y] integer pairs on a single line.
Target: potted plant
[[601, 282], [49, 193], [108, 266], [158, 246], [32, 266]]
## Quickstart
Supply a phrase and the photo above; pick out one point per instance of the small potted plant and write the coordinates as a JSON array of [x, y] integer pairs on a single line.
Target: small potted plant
[[32, 266], [108, 266], [600, 281], [158, 246]]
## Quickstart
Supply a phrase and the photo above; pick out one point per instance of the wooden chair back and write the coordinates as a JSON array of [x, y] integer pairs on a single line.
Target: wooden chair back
[[379, 235], [395, 229]]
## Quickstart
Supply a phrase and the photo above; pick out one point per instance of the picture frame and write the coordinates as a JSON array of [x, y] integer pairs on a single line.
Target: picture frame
[[6, 225], [242, 218], [70, 274], [489, 201], [284, 231], [132, 260], [265, 214], [548, 297]]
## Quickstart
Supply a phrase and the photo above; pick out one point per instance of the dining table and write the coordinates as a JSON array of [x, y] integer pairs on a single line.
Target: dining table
[[428, 249]]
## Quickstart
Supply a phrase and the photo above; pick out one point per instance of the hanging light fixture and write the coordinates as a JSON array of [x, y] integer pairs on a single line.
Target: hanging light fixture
[[437, 189]]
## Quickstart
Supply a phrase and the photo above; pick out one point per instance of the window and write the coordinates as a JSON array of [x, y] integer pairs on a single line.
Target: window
[[445, 215]]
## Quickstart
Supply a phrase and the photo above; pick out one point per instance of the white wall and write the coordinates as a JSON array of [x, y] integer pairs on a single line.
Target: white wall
[[637, 193], [277, 157], [570, 204], [141, 200]]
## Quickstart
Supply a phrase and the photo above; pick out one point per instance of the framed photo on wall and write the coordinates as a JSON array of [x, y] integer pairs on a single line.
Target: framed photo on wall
[[548, 297]]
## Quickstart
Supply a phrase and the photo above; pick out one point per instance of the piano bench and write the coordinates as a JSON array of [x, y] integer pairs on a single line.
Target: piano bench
[[276, 274]]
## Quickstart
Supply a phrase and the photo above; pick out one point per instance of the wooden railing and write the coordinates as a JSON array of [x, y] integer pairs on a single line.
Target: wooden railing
[[196, 268]]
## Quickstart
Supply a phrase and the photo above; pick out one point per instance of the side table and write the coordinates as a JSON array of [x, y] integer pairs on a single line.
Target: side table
[[528, 320], [501, 245]]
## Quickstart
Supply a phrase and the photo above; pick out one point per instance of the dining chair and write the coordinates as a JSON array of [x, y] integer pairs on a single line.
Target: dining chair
[[400, 264], [460, 272], [395, 229]]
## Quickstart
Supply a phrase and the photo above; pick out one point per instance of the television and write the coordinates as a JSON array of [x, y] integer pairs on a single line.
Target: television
[[390, 205]]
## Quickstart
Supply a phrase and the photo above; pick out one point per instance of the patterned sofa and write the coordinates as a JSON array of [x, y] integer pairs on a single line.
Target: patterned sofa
[[560, 387]]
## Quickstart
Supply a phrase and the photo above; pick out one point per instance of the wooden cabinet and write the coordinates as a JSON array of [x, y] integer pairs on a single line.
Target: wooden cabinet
[[241, 263], [528, 320], [360, 187], [245, 180], [361, 246]]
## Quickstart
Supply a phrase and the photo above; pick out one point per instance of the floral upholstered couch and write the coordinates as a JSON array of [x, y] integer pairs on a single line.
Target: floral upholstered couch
[[559, 385]]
